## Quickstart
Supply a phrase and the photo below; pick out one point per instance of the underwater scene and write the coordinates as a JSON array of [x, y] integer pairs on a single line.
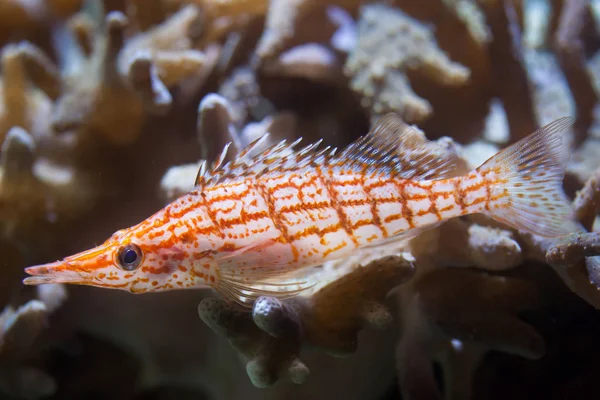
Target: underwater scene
[[299, 199]]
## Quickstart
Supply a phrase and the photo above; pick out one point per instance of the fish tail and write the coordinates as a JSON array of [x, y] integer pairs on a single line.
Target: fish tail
[[526, 183]]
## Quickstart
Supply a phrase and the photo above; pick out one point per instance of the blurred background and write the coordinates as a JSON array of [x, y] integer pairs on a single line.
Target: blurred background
[[107, 108]]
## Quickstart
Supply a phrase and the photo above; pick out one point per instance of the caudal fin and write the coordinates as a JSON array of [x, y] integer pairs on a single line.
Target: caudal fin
[[530, 174]]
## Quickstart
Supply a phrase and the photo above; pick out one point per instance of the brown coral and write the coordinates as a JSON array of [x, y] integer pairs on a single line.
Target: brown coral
[[23, 103], [271, 339], [508, 67], [35, 190], [574, 249], [19, 331], [587, 201], [157, 60], [279, 68], [136, 73], [390, 42], [571, 56], [456, 330], [91, 86]]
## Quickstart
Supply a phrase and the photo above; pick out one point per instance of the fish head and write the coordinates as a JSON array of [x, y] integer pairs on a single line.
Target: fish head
[[126, 261]]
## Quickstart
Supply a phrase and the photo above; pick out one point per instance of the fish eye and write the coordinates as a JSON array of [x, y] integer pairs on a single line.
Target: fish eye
[[129, 257]]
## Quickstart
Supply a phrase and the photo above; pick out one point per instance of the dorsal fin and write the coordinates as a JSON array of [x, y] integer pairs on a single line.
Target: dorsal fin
[[403, 149], [391, 147]]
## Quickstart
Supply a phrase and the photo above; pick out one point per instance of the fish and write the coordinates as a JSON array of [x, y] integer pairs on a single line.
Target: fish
[[252, 225]]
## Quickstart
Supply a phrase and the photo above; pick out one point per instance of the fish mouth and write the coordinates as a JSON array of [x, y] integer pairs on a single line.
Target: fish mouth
[[56, 272]]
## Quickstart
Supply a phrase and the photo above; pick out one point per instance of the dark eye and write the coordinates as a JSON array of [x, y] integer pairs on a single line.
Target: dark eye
[[129, 257]]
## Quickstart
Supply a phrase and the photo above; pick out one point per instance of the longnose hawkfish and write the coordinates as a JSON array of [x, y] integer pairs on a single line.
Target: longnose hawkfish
[[249, 226]]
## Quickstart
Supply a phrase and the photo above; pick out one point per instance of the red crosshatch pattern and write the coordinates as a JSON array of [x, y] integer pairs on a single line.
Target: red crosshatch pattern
[[251, 225]]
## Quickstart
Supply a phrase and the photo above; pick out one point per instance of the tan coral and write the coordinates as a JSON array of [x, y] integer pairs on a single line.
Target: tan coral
[[310, 61], [470, 12], [272, 337], [332, 324], [19, 331], [389, 44], [551, 94], [163, 57], [283, 20], [587, 201], [35, 191], [94, 99], [22, 103], [242, 90], [508, 67], [216, 128], [573, 249], [555, 96], [571, 55], [225, 18], [315, 54], [135, 72], [29, 17], [457, 330], [584, 160], [472, 245]]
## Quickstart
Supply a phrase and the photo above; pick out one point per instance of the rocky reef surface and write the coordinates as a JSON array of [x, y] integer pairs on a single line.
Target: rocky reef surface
[[107, 109]]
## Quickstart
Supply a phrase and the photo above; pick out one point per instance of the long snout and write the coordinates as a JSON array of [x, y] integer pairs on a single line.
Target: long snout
[[56, 272]]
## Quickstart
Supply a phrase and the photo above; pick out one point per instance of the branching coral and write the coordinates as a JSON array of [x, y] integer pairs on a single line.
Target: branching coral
[[389, 43], [216, 126], [27, 18], [571, 56], [163, 57], [91, 86], [584, 161], [587, 201], [472, 245], [283, 20], [506, 58], [314, 54], [426, 60], [35, 191], [574, 249], [23, 104], [242, 91], [19, 330], [271, 338], [135, 73], [457, 330], [476, 242]]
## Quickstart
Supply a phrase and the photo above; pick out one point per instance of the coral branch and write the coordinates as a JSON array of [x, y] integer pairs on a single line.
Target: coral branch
[[162, 57], [573, 249], [242, 90], [271, 338], [389, 44], [456, 330], [19, 331], [21, 103], [268, 358], [571, 56], [215, 126], [40, 69], [471, 245], [508, 66], [587, 201]]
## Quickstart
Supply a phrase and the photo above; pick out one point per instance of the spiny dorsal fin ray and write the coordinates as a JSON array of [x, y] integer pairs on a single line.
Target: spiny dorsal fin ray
[[390, 147], [402, 148]]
